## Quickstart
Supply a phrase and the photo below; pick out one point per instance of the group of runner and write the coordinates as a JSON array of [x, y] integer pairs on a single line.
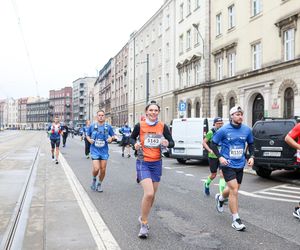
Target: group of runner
[[226, 145]]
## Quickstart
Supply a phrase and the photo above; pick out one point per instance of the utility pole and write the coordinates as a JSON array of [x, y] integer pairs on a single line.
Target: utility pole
[[147, 80]]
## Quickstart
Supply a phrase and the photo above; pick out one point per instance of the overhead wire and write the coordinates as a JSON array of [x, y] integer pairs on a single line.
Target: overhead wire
[[26, 47]]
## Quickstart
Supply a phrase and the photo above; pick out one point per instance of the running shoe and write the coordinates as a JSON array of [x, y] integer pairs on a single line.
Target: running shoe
[[93, 186], [296, 213], [53, 159], [128, 156], [238, 225], [56, 162], [143, 234], [140, 221], [206, 189], [122, 154], [219, 205], [99, 188], [87, 156]]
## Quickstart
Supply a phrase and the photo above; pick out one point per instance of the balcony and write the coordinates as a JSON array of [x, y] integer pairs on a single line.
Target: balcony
[[81, 105], [81, 97]]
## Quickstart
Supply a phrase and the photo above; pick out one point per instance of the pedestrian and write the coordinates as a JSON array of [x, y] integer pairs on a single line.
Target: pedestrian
[[65, 131], [99, 135], [212, 158], [86, 142], [125, 132], [234, 137], [290, 138], [152, 134], [55, 132]]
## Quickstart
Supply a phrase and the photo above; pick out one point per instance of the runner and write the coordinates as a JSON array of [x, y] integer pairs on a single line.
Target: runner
[[152, 134], [55, 131], [290, 140], [65, 131], [125, 131], [233, 138], [86, 142], [99, 135], [212, 158]]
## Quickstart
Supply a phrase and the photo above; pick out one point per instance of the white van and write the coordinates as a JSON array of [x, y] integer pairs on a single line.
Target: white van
[[188, 135]]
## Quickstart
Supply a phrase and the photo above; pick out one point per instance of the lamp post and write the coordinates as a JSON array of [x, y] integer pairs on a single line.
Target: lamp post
[[147, 77], [196, 26]]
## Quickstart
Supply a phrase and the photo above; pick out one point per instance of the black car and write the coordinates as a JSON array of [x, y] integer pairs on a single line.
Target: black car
[[271, 150]]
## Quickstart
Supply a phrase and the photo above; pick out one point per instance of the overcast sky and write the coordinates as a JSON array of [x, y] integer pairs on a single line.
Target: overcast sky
[[65, 40]]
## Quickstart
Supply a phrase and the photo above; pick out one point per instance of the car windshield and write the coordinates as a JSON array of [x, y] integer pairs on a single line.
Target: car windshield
[[272, 129]]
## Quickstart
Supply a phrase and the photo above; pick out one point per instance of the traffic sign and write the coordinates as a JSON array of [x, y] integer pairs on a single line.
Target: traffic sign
[[182, 106]]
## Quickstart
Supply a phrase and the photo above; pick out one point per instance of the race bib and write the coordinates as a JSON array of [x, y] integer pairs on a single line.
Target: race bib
[[99, 143], [152, 141], [298, 155], [126, 134], [236, 153]]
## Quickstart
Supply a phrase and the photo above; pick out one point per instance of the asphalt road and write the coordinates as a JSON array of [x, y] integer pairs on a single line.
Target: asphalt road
[[182, 217]]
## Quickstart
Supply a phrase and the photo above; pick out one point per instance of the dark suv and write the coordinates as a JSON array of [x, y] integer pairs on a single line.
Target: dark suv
[[271, 151]]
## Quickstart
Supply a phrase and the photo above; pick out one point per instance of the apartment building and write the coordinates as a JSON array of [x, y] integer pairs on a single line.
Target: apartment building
[[255, 58], [119, 88], [102, 90], [38, 116], [151, 62], [22, 112], [83, 100], [192, 57], [60, 104]]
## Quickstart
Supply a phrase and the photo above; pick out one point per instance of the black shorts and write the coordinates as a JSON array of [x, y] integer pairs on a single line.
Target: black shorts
[[125, 141], [55, 142], [214, 164], [232, 173]]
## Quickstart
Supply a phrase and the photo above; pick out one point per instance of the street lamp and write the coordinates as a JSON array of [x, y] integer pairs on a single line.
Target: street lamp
[[196, 26]]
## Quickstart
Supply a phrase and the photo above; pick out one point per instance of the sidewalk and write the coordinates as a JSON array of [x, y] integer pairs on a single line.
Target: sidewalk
[[55, 219]]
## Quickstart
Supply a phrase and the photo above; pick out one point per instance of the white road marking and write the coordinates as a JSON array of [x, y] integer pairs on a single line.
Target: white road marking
[[179, 172], [264, 197], [101, 234], [189, 175]]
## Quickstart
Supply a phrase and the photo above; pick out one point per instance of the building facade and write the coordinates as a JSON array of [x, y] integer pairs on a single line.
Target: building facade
[[102, 90], [82, 100], [22, 112], [119, 88], [255, 58], [60, 104], [38, 116], [151, 65]]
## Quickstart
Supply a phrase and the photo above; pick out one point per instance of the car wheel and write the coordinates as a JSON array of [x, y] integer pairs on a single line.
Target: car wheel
[[182, 161], [263, 172]]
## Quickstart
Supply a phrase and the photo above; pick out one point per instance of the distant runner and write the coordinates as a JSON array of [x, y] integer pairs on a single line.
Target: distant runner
[[126, 132], [55, 131]]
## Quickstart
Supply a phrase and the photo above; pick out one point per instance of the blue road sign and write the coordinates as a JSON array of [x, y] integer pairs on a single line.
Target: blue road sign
[[182, 106]]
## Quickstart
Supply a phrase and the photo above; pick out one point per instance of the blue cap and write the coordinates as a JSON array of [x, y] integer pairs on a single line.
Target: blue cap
[[218, 119]]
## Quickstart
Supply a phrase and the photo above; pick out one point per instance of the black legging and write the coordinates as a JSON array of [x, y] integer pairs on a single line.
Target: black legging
[[64, 139], [87, 146]]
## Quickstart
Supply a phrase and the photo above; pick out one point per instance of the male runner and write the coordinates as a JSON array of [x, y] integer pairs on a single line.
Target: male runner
[[55, 131], [99, 135], [290, 140], [212, 158], [126, 132], [233, 138]]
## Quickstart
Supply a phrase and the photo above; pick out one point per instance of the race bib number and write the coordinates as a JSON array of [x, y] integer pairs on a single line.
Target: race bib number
[[126, 134], [298, 155], [99, 143], [152, 141], [236, 153]]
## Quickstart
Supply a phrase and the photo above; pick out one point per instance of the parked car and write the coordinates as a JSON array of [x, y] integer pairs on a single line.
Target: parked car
[[271, 151], [188, 135], [118, 135]]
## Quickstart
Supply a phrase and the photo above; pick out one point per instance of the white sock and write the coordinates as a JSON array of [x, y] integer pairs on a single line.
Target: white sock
[[235, 216]]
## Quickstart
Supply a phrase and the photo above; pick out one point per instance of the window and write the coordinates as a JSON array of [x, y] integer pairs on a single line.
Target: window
[[256, 56], [231, 102], [167, 51], [188, 39], [189, 110], [231, 16], [180, 79], [188, 7], [219, 68], [231, 64], [197, 73], [197, 4], [181, 12], [167, 21], [288, 103], [159, 57], [197, 111], [167, 85], [160, 29], [160, 87], [289, 44], [188, 75], [153, 35], [166, 114], [256, 7], [181, 44], [220, 108], [218, 24]]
